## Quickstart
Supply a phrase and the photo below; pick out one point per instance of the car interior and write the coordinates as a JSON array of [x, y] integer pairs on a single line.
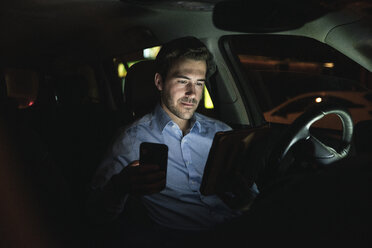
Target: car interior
[[75, 73]]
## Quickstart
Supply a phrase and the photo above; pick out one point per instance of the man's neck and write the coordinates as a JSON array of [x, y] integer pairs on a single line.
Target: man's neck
[[184, 125]]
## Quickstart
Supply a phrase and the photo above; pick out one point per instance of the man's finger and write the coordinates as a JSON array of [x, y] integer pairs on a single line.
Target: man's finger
[[241, 184], [146, 189], [148, 178], [134, 163]]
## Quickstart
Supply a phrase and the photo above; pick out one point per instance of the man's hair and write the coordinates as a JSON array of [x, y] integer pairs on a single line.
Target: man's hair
[[186, 47]]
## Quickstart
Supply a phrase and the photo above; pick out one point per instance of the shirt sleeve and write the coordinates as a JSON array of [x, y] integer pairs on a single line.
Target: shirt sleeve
[[121, 153], [104, 204], [221, 126]]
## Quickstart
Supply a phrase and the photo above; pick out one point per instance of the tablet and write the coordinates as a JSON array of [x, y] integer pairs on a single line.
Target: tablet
[[231, 152]]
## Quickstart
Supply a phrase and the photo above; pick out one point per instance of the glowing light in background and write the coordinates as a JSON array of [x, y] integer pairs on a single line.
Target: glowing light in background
[[318, 100], [329, 65], [132, 63], [122, 72], [30, 103], [151, 53], [208, 104]]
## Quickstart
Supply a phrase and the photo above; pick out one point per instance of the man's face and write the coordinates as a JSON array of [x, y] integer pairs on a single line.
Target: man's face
[[183, 87]]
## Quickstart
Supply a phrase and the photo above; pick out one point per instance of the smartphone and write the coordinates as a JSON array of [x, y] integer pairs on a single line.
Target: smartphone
[[154, 153]]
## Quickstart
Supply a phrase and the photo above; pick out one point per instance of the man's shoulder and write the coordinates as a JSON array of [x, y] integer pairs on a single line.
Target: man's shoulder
[[207, 121], [133, 127]]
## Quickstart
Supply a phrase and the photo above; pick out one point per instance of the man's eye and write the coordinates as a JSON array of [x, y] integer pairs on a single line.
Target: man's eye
[[182, 81], [200, 83]]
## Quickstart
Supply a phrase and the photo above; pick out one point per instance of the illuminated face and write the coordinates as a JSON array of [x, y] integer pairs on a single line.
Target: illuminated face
[[182, 89]]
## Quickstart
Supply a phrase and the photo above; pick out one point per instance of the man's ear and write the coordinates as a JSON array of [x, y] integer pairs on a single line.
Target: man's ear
[[158, 81]]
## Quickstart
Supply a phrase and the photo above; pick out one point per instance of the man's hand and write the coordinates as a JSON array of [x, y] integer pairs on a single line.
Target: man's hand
[[242, 195], [136, 179]]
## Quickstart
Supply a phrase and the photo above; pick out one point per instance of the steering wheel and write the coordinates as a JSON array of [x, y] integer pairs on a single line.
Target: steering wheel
[[300, 130]]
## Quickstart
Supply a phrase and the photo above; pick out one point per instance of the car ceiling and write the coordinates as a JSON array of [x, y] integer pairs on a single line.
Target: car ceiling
[[50, 26], [71, 25], [105, 27]]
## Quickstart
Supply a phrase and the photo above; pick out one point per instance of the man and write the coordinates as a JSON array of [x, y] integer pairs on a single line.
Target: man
[[171, 200]]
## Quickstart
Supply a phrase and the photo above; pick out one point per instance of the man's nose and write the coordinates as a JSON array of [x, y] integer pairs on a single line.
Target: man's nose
[[190, 90]]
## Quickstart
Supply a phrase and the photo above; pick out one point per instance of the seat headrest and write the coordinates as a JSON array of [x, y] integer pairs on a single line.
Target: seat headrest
[[71, 89], [21, 85], [141, 94]]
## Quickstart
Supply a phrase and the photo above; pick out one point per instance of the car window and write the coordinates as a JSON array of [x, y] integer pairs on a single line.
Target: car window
[[289, 74], [300, 104]]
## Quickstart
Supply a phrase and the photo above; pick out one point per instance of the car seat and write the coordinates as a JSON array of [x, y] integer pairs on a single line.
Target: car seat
[[35, 170], [140, 97], [140, 92]]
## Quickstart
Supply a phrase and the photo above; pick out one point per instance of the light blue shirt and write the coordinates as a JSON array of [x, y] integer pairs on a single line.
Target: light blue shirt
[[180, 205]]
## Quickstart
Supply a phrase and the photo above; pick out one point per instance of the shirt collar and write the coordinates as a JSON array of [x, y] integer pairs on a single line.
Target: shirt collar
[[195, 123], [163, 119]]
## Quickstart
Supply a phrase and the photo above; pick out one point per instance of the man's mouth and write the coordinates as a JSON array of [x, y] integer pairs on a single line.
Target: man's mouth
[[188, 102]]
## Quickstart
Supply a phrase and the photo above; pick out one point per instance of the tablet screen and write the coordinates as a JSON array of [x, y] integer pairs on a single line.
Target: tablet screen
[[231, 152]]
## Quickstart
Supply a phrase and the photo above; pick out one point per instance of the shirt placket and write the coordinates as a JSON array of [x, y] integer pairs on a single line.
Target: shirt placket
[[194, 180]]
